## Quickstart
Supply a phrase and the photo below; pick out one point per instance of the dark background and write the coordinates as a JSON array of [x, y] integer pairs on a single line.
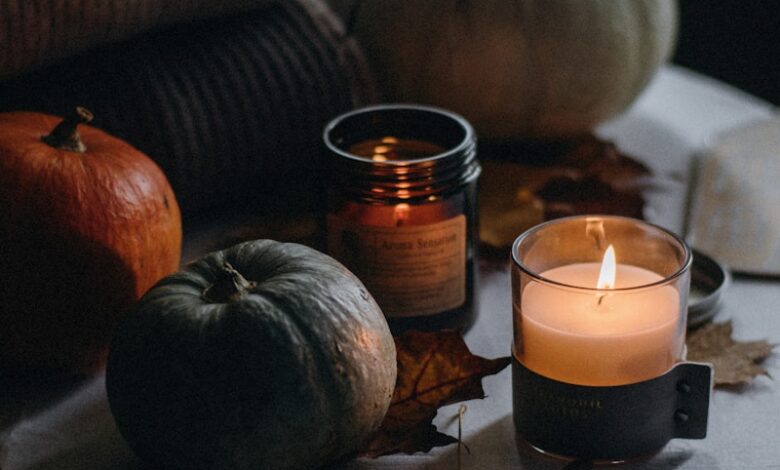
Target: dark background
[[736, 41]]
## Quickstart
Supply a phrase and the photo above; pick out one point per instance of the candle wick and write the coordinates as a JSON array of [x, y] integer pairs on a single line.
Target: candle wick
[[601, 298], [601, 242]]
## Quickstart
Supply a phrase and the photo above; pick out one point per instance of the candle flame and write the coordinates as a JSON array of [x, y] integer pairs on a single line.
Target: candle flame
[[400, 214], [608, 268]]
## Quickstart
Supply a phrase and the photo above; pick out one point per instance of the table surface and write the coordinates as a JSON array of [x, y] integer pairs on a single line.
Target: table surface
[[70, 427]]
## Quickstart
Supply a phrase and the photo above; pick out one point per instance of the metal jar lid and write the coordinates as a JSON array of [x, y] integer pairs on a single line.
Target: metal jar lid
[[708, 280]]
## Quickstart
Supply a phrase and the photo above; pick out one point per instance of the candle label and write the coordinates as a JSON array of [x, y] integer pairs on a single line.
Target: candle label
[[410, 270], [614, 422]]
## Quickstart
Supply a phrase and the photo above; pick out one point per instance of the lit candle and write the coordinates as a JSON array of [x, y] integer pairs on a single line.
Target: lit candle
[[621, 333], [599, 310], [401, 211]]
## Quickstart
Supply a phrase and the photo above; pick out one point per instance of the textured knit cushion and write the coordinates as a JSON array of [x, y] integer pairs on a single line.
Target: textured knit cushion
[[227, 107], [37, 32]]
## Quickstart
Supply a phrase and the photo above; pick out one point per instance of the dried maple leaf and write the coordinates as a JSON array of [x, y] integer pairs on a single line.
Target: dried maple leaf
[[593, 156], [524, 183], [735, 362], [434, 369], [564, 196]]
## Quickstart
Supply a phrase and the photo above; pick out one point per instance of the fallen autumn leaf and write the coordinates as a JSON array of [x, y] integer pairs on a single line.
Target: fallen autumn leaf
[[434, 369], [735, 362], [522, 185]]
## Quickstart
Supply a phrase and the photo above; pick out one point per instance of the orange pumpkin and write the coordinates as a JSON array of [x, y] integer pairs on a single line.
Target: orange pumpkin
[[87, 225]]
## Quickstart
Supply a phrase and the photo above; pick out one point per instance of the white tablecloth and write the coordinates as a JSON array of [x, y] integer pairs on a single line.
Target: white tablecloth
[[675, 117]]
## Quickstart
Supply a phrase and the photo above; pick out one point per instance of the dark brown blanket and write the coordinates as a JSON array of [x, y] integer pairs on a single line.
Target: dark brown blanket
[[231, 108]]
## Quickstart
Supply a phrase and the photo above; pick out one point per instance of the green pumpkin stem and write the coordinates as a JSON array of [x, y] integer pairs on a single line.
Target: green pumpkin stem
[[66, 135], [230, 286]]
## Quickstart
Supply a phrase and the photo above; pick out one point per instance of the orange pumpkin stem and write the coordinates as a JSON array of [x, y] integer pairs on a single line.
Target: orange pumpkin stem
[[66, 135], [230, 286]]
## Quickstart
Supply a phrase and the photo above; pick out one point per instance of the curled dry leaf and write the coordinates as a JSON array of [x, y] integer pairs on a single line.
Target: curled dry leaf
[[434, 369], [524, 184], [735, 362]]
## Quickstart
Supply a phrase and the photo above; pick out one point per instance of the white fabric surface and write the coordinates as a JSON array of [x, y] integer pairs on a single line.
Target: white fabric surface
[[675, 117]]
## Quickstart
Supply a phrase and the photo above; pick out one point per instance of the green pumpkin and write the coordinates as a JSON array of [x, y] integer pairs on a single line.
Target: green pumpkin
[[516, 68], [265, 355]]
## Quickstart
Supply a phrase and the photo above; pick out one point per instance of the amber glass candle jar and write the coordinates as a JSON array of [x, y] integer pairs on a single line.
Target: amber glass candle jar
[[402, 211]]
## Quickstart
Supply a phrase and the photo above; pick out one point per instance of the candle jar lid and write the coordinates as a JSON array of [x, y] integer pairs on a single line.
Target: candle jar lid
[[708, 280]]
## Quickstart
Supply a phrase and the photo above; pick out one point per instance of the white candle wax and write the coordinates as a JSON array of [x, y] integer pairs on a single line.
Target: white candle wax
[[627, 337]]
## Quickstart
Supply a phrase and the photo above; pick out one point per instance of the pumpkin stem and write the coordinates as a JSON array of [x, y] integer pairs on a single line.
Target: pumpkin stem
[[66, 135], [230, 286]]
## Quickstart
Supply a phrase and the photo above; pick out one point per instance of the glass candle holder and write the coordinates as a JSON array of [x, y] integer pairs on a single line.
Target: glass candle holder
[[588, 314], [599, 315], [402, 211]]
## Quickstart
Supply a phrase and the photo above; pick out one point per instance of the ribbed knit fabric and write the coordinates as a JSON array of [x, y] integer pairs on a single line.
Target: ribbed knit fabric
[[226, 107], [35, 32]]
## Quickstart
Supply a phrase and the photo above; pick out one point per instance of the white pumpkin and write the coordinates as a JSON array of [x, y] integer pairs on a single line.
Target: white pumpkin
[[530, 68]]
